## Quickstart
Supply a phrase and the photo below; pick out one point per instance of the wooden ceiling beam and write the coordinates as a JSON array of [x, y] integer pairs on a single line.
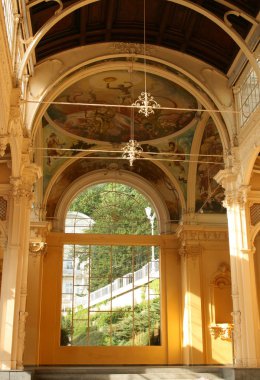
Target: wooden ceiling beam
[[163, 24], [109, 20], [83, 25]]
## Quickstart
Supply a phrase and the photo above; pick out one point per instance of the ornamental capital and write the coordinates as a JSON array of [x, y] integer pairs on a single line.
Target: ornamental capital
[[236, 196]]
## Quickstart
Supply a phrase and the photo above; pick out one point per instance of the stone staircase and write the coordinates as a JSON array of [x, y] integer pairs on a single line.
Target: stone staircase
[[133, 373]]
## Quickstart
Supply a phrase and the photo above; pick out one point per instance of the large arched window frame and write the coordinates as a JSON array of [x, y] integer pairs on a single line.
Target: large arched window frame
[[123, 177]]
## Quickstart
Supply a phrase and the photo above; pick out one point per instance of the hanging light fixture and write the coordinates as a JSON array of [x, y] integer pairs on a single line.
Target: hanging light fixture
[[145, 102], [132, 150]]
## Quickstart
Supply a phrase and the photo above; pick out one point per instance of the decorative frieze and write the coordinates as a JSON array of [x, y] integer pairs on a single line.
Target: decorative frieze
[[198, 235]]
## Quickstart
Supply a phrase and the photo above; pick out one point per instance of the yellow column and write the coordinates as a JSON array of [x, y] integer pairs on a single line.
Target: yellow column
[[192, 340]]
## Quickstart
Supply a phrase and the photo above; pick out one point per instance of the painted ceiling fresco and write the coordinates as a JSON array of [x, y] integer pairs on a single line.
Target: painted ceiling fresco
[[145, 169], [99, 133], [112, 124], [209, 194]]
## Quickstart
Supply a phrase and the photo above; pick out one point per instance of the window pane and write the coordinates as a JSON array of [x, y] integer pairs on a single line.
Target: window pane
[[110, 296]]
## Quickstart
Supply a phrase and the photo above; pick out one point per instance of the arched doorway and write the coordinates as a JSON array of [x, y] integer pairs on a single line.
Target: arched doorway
[[104, 283]]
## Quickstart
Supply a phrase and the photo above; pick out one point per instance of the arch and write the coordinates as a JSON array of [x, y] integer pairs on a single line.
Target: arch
[[186, 3], [123, 177], [254, 232]]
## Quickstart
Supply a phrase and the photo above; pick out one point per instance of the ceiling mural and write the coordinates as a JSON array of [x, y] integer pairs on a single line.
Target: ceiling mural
[[145, 169], [112, 124], [172, 152], [209, 194], [99, 132]]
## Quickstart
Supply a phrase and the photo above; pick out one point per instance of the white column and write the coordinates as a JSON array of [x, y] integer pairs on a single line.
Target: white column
[[15, 265], [242, 281]]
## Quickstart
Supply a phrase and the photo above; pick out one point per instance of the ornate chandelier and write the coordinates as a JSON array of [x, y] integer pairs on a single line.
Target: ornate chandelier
[[145, 102], [131, 151]]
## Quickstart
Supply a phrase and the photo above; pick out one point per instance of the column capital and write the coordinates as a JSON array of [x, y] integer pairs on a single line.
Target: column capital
[[22, 186]]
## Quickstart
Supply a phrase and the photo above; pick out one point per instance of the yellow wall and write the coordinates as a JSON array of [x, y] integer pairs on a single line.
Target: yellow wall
[[203, 348]]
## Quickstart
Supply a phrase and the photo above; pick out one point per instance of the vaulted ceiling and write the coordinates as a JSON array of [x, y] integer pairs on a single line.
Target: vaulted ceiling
[[168, 24]]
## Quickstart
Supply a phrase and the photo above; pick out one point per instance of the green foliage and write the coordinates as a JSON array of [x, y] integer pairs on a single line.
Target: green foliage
[[115, 208], [121, 327], [66, 325]]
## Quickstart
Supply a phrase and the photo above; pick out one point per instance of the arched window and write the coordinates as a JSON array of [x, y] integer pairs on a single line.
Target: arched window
[[111, 293]]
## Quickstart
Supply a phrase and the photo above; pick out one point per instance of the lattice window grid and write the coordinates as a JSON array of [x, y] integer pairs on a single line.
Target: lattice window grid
[[3, 208], [255, 213]]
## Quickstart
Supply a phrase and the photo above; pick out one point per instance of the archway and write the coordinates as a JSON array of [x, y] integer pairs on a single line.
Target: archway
[[104, 282]]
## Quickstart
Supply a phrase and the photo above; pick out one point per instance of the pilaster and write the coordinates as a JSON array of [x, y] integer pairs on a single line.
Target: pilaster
[[193, 341]]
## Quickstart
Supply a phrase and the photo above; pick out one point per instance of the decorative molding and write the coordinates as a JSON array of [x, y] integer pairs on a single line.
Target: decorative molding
[[200, 235], [224, 331]]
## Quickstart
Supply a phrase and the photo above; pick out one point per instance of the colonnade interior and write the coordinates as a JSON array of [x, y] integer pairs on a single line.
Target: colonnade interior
[[67, 115]]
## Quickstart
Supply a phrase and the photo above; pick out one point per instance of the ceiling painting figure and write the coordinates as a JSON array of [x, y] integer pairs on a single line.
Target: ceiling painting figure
[[209, 194], [105, 122]]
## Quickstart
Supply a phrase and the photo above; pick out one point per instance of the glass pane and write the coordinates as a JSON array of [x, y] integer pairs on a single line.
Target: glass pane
[[99, 331], [110, 296], [68, 252], [121, 261]]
